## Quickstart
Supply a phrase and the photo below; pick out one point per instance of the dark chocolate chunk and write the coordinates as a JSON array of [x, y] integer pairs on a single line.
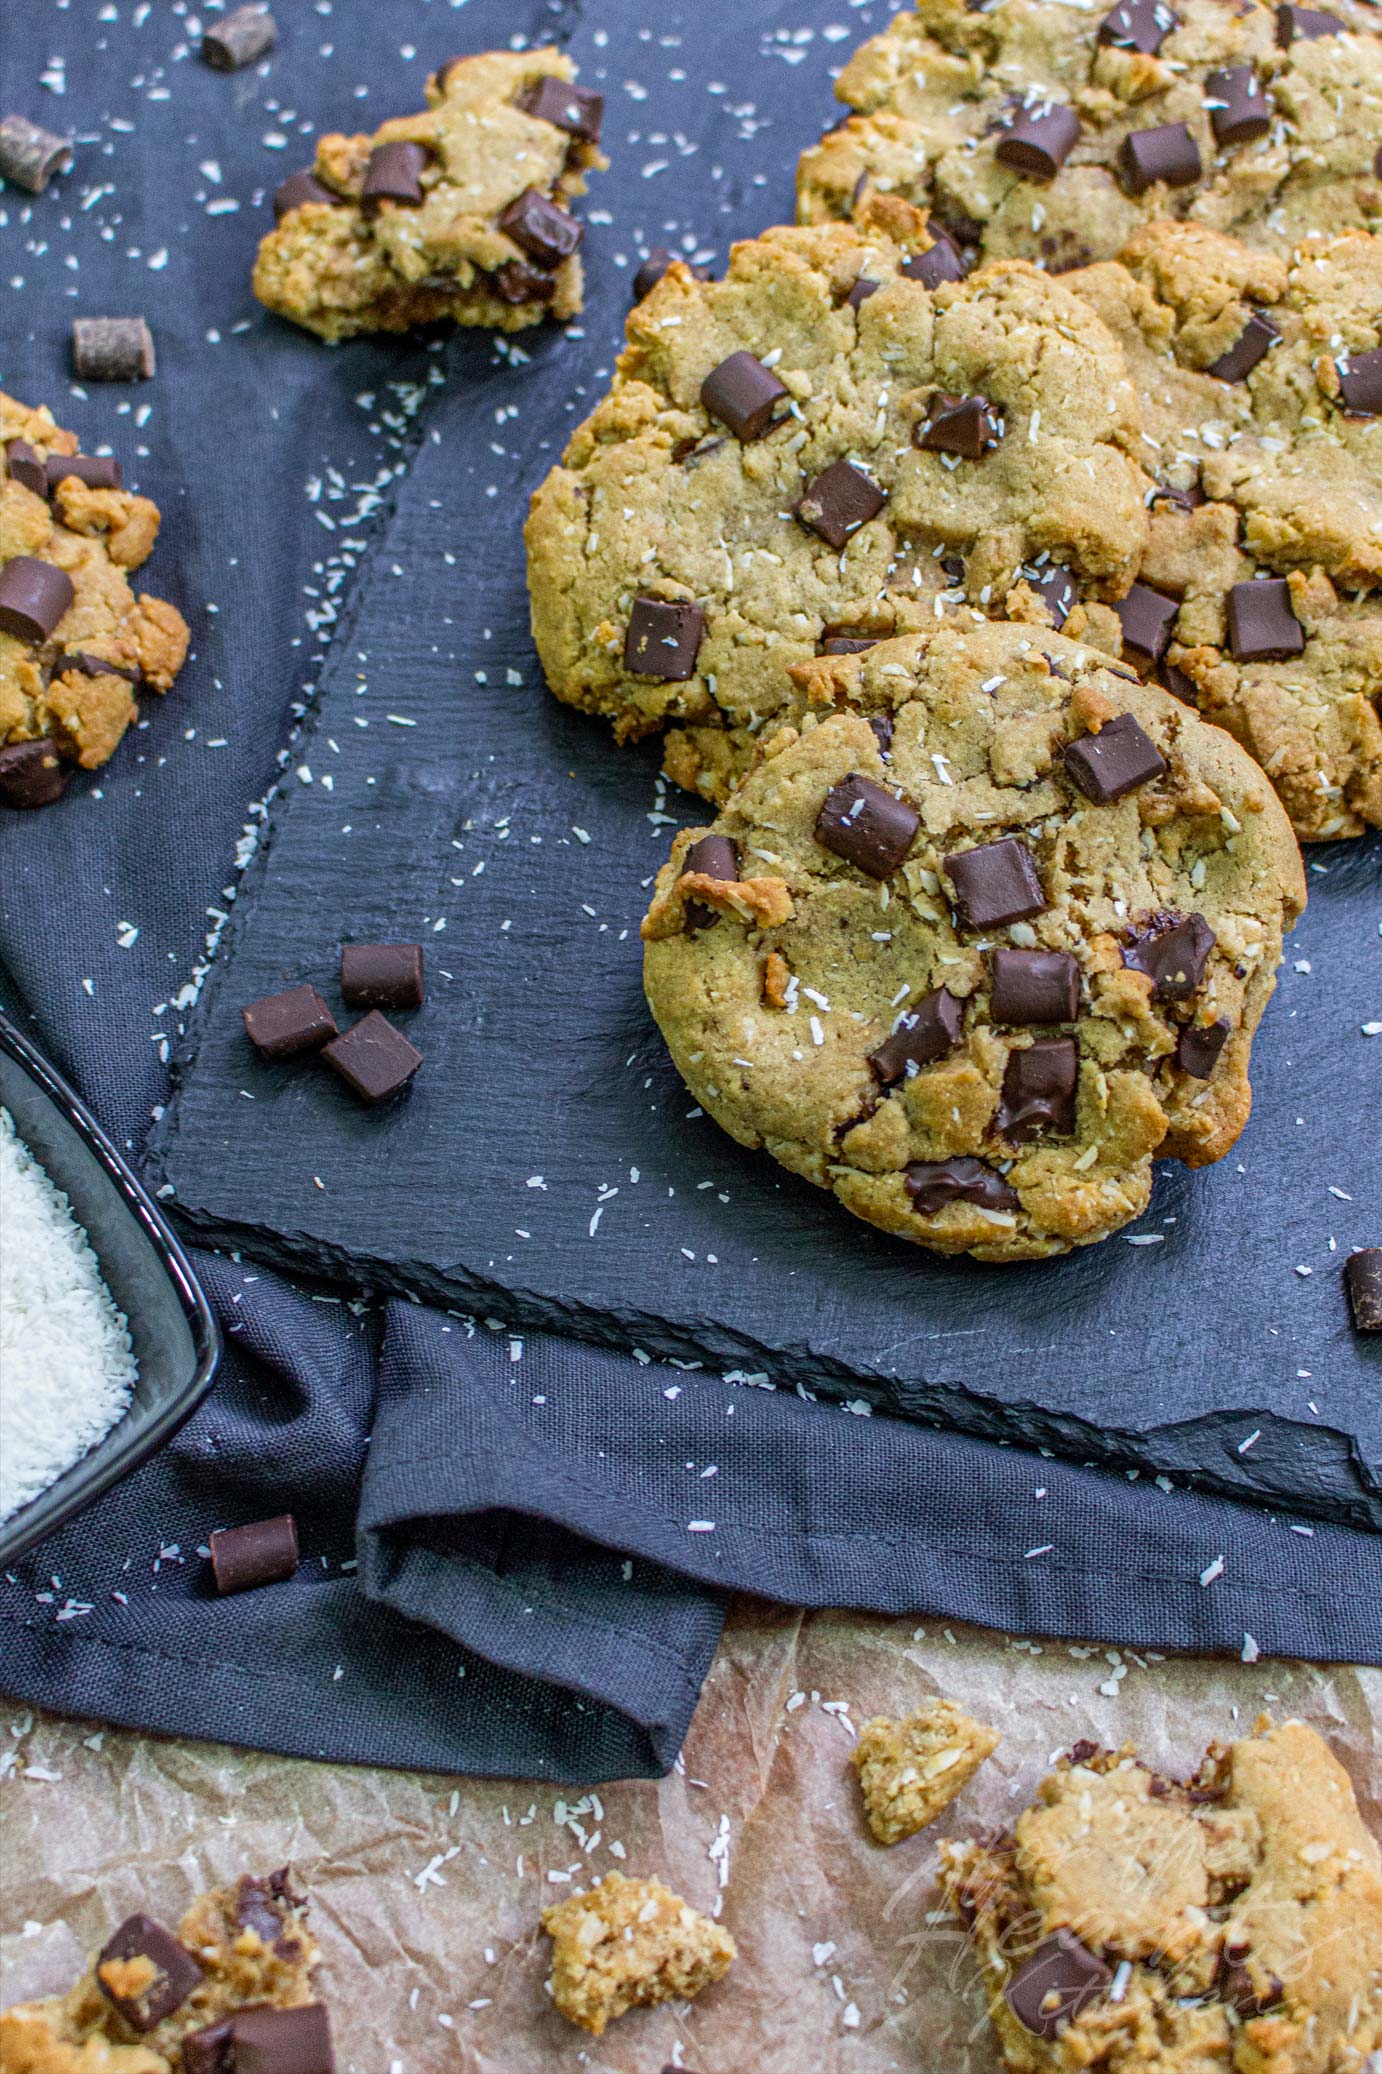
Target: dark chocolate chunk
[[1172, 950], [867, 826], [145, 1993], [260, 1905], [656, 265], [33, 597], [1056, 588], [210, 2050], [1198, 1047], [1261, 625], [927, 1032], [517, 282], [1039, 1089], [966, 425], [547, 234], [29, 154], [1177, 683], [263, 1552], [933, 1183], [1138, 25], [1235, 1985], [1363, 1280], [743, 394], [995, 883], [373, 1058], [239, 39], [1185, 498], [97, 471], [1257, 338], [940, 262], [847, 644], [839, 501], [303, 187], [1360, 383], [1055, 1983], [1305, 22], [283, 2041], [1238, 108], [1148, 617], [882, 725], [394, 175], [24, 465], [862, 290], [576, 109], [112, 349], [31, 775], [1168, 154], [664, 639], [381, 975], [1033, 986], [716, 857], [689, 453], [1083, 1750], [1039, 139], [279, 1026], [89, 665], [1117, 759]]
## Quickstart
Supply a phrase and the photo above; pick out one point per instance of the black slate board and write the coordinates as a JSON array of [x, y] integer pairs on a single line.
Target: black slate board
[[545, 1168]]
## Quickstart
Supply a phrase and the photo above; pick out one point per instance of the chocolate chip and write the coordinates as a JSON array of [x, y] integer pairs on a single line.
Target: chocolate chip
[[1237, 1987], [259, 1907], [394, 175], [866, 826], [575, 109], [89, 665], [24, 465], [279, 1026], [1039, 1086], [965, 425], [839, 501], [1033, 986], [1237, 106], [1168, 154], [1039, 140], [1082, 1751], [30, 155], [263, 1552], [940, 262], [33, 597], [1305, 22], [927, 1032], [1198, 1047], [239, 39], [1187, 497], [31, 775], [743, 394], [933, 1183], [849, 644], [1138, 25], [1261, 625], [1257, 338], [374, 1059], [112, 349], [547, 234], [1147, 618], [303, 187], [210, 2050], [862, 290], [283, 2041], [1055, 1983], [1056, 589], [664, 639], [175, 1973], [1172, 950], [716, 858], [1360, 383], [1363, 1280], [97, 471], [689, 453], [1117, 759], [381, 975], [516, 282], [882, 725], [995, 883], [651, 271]]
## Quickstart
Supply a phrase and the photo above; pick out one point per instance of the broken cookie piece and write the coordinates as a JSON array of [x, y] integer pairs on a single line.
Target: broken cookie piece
[[629, 1943], [909, 1770]]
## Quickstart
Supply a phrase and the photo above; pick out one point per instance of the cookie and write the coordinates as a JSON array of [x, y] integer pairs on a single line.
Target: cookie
[[909, 1771], [1131, 1920], [976, 948], [627, 1944], [460, 212], [1052, 133], [75, 640], [821, 448]]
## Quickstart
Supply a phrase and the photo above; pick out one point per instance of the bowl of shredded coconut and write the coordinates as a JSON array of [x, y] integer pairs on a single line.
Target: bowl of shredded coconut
[[106, 1341]]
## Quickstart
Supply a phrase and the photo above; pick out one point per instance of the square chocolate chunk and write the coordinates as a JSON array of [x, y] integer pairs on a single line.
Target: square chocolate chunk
[[1363, 1280], [283, 2041], [1261, 625], [381, 975], [995, 883], [743, 394], [279, 1026], [1148, 617], [867, 826], [927, 1032], [838, 502], [546, 233], [1039, 1087], [1033, 986], [1116, 760], [664, 638], [373, 1058], [145, 1972], [576, 109]]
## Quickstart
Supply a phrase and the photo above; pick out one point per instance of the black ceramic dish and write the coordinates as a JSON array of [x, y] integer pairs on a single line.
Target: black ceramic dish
[[176, 1343]]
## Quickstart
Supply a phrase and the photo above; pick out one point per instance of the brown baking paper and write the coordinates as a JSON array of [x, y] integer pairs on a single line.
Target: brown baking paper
[[426, 1891]]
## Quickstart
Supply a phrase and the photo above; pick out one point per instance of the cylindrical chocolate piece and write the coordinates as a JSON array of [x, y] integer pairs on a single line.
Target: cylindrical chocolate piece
[[112, 349], [381, 975], [1363, 1278], [239, 40], [31, 775], [24, 465], [97, 471], [33, 597], [264, 1552], [29, 155]]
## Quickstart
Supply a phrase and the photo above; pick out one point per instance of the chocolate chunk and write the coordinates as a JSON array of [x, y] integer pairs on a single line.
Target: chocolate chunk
[[1056, 588], [145, 1995], [283, 2041], [940, 262], [89, 665], [966, 425], [112, 349], [33, 597], [1172, 950], [1168, 154], [882, 725], [862, 290], [1033, 986], [933, 1183], [1236, 1986], [30, 155], [1147, 618], [1039, 140], [839, 501], [24, 465], [1257, 337], [1198, 1047], [995, 883], [575, 109], [1117, 759], [517, 282], [1305, 22], [547, 234], [848, 644], [1238, 108], [1185, 498], [210, 2050], [279, 1026], [689, 453], [1039, 1089], [656, 265], [664, 639], [1360, 383], [1261, 625], [868, 827], [1138, 25], [303, 187], [743, 394], [259, 1906], [31, 775], [716, 857], [1177, 683], [1055, 1983], [381, 975], [373, 1058], [240, 39], [927, 1032], [97, 471], [1363, 1280], [394, 174], [1082, 1751], [263, 1552]]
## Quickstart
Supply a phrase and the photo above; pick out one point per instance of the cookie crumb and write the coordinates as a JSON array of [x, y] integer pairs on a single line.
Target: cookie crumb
[[629, 1943], [910, 1770]]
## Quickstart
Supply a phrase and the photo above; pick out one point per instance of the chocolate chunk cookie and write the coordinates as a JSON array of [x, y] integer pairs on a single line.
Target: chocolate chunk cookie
[[75, 640], [975, 947], [1052, 132], [822, 449], [1131, 1920], [460, 212]]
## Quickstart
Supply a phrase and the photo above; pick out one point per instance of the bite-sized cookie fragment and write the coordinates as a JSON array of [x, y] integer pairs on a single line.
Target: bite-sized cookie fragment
[[909, 1770], [1132, 1921], [1052, 133], [628, 1943], [780, 466], [461, 212], [993, 1005]]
